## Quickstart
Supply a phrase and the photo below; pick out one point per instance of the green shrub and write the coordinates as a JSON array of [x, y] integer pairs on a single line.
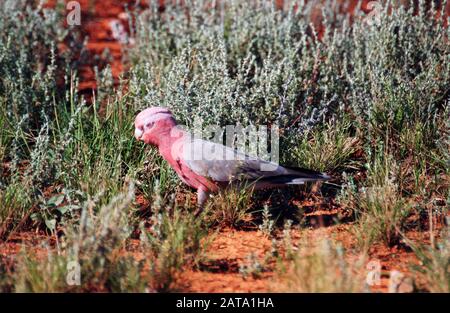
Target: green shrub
[[29, 71], [435, 262], [328, 149], [29, 66], [231, 207], [320, 267], [175, 240], [250, 64], [379, 206]]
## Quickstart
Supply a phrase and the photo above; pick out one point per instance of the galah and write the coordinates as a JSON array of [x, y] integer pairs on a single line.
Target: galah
[[207, 166]]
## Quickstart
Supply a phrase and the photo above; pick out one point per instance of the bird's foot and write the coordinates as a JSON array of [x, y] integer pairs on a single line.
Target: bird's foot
[[198, 211]]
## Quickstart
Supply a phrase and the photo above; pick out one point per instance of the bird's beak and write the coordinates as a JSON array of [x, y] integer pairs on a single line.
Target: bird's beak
[[138, 133]]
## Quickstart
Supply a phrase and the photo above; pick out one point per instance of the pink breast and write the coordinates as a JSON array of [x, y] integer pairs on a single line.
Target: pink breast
[[187, 175]]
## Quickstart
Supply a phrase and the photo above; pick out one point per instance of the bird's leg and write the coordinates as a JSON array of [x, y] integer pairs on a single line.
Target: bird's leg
[[202, 197]]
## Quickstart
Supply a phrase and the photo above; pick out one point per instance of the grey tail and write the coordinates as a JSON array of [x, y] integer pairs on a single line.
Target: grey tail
[[297, 176], [303, 172]]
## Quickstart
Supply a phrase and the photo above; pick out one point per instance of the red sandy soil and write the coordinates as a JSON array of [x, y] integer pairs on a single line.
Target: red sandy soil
[[230, 248], [227, 251]]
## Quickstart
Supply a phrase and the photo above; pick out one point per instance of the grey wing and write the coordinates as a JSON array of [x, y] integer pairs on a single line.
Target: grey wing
[[223, 164]]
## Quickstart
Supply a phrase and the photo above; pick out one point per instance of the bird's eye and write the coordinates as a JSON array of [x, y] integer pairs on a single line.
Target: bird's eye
[[149, 125]]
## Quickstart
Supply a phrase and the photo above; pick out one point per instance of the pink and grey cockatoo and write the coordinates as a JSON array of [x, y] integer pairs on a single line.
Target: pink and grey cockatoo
[[208, 166]]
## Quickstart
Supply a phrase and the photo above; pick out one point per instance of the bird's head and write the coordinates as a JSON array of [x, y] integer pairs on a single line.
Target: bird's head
[[153, 125]]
